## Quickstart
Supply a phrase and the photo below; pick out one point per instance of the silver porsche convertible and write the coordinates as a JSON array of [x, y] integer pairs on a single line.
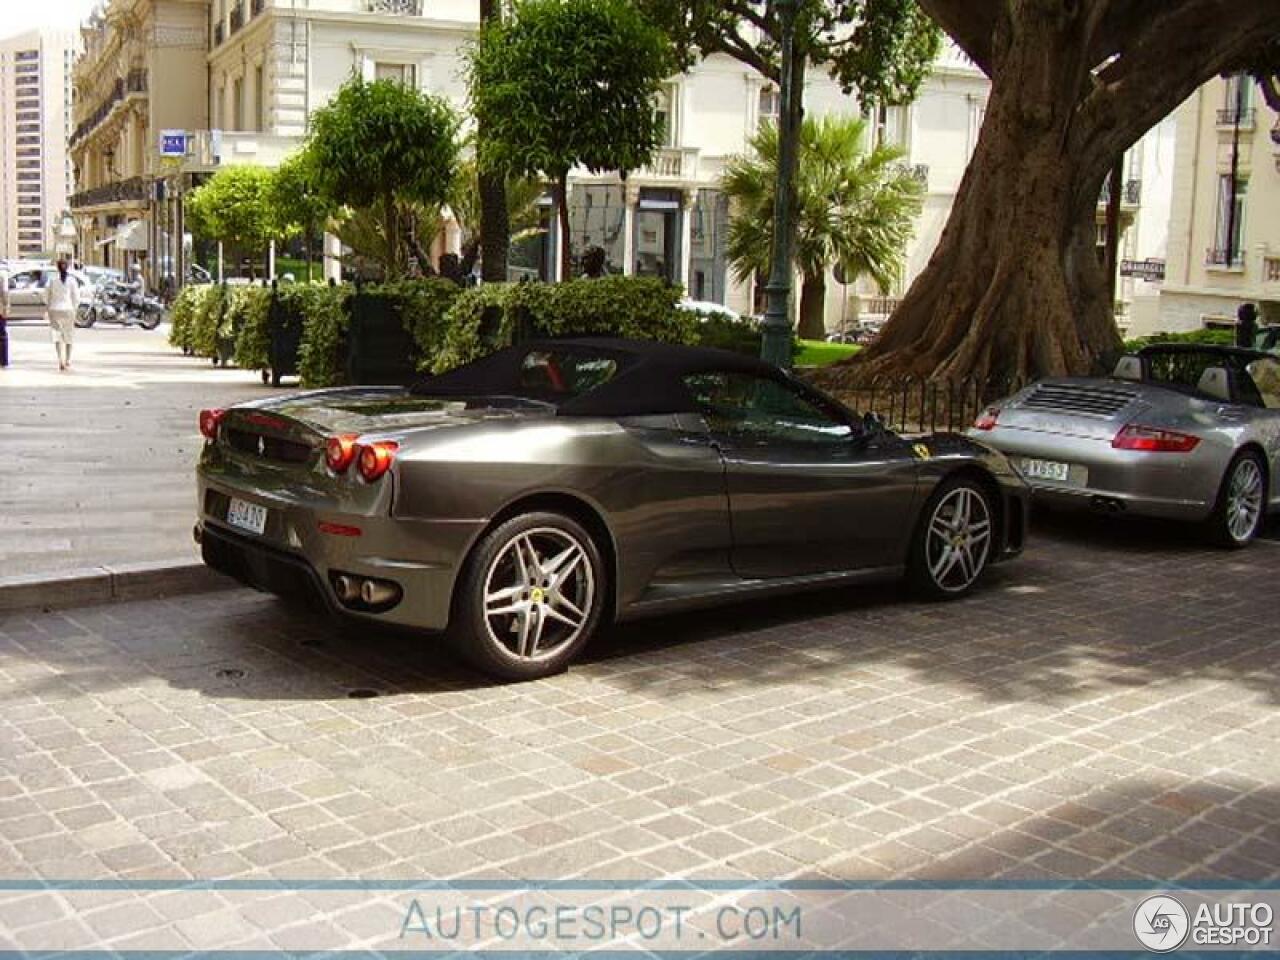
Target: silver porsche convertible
[[1182, 431], [517, 502]]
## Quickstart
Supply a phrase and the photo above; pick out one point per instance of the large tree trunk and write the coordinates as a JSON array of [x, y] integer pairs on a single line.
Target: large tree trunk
[[495, 226], [813, 307], [1015, 288]]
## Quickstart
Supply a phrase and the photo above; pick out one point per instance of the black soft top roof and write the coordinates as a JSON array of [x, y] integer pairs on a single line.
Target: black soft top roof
[[649, 378]]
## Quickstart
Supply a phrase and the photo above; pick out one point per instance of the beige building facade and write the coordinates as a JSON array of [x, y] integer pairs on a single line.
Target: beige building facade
[[35, 116], [1224, 229], [142, 72]]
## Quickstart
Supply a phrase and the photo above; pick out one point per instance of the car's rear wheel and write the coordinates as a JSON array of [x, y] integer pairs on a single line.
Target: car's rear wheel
[[953, 541], [1242, 502], [531, 597]]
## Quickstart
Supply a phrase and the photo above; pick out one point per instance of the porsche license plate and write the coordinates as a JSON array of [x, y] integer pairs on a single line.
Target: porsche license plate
[[1046, 470], [247, 516]]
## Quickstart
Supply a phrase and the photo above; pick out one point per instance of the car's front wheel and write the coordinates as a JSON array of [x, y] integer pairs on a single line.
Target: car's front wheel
[[1242, 501], [531, 597], [953, 540]]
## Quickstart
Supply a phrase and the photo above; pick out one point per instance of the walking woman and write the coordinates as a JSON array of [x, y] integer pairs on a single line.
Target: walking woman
[[61, 300]]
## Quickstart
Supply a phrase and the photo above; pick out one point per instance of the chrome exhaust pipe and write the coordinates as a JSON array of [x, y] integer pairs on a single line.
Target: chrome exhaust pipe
[[347, 588], [375, 593]]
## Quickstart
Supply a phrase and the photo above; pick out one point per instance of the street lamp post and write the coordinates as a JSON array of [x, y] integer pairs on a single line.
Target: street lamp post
[[776, 343]]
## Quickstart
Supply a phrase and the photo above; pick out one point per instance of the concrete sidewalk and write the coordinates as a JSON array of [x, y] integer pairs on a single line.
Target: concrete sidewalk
[[98, 462]]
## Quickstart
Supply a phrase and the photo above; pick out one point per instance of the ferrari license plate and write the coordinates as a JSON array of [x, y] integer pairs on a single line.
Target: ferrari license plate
[[1046, 470], [247, 516]]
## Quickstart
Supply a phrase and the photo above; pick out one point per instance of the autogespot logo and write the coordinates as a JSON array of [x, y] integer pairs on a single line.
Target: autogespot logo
[[1161, 924]]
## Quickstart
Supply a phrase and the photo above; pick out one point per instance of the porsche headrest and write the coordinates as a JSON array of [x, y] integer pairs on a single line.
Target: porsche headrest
[[1129, 368], [1215, 382]]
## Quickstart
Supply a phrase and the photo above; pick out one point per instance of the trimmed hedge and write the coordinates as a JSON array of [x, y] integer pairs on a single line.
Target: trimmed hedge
[[1227, 337], [249, 314], [182, 315], [320, 357], [485, 318], [207, 321]]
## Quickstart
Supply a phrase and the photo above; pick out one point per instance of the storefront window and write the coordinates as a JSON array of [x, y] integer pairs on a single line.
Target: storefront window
[[708, 235], [658, 235], [597, 217]]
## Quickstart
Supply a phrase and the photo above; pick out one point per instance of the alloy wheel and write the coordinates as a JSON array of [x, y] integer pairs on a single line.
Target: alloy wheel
[[1244, 500], [538, 593], [959, 539]]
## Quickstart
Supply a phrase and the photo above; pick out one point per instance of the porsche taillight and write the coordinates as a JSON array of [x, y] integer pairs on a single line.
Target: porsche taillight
[[376, 458], [987, 419], [209, 422], [340, 452], [1154, 440]]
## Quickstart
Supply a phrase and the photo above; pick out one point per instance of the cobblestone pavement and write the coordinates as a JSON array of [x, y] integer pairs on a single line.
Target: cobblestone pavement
[[99, 462], [1105, 708]]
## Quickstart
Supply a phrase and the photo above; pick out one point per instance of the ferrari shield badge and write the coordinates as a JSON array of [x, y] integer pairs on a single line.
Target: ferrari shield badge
[[922, 451]]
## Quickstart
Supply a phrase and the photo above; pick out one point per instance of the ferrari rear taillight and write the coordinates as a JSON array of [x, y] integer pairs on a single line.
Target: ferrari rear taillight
[[209, 421], [987, 419], [340, 452], [376, 458], [1154, 440]]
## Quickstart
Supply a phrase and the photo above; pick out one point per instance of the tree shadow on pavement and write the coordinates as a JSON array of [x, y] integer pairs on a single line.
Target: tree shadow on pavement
[[1085, 613]]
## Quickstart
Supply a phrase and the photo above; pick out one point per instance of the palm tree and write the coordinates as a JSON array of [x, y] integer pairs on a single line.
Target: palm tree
[[854, 207]]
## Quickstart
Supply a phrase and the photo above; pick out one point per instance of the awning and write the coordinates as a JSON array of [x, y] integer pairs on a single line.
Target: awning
[[132, 236]]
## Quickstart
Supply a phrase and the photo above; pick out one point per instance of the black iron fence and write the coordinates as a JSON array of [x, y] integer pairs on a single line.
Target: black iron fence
[[915, 405]]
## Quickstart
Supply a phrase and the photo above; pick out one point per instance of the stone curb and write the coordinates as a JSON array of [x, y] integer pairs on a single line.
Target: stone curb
[[95, 585]]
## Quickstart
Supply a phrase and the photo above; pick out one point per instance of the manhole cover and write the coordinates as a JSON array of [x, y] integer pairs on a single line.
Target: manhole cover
[[362, 693], [230, 673]]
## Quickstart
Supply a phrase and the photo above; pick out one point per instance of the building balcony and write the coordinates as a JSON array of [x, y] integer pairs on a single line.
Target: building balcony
[[671, 163], [133, 84], [1130, 193], [412, 8], [1237, 117], [117, 191], [1224, 260]]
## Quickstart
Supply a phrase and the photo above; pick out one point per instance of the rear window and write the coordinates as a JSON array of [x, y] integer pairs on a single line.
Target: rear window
[[562, 374]]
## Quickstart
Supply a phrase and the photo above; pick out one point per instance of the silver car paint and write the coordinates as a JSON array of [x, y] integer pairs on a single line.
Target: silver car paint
[[1171, 485]]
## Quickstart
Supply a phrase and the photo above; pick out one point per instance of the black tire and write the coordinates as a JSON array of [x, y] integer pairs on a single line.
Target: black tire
[[1227, 526], [150, 321], [491, 637], [86, 318], [934, 569]]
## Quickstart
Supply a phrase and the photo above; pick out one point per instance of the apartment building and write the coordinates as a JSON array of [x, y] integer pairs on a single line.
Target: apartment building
[[142, 71], [35, 115], [1224, 227], [272, 62]]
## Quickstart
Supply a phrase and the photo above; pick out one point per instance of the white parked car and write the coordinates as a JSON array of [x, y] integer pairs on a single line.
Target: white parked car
[[26, 291]]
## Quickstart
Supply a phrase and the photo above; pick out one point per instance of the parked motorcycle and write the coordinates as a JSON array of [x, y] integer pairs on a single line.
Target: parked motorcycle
[[122, 303]]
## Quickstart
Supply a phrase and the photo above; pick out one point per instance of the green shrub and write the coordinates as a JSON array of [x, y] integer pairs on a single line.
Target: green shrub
[[736, 335], [639, 307], [250, 317], [1206, 335], [325, 318], [183, 313], [208, 318]]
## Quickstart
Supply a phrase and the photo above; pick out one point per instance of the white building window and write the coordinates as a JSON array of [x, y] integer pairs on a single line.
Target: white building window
[[1228, 232], [769, 106], [406, 73], [666, 110]]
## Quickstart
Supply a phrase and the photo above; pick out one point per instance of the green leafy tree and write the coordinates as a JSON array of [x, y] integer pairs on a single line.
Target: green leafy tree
[[854, 207], [493, 207], [566, 83], [879, 49], [384, 146], [296, 205], [232, 207], [1014, 288]]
